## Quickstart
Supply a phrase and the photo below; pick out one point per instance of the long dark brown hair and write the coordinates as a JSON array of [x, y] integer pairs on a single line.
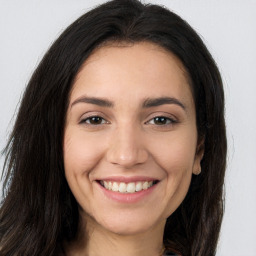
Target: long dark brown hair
[[39, 211]]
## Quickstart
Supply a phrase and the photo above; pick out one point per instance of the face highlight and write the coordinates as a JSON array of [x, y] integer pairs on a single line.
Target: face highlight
[[130, 138]]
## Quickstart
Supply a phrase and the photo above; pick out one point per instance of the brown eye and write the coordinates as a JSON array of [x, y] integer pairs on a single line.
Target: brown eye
[[94, 120], [161, 120]]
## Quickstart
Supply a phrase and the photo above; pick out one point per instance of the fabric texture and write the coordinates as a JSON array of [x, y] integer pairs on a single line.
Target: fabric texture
[[169, 253]]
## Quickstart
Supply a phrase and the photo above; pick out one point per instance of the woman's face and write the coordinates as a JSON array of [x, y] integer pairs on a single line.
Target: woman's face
[[130, 137]]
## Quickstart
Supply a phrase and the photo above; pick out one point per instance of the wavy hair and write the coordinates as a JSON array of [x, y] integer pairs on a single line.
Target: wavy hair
[[39, 211]]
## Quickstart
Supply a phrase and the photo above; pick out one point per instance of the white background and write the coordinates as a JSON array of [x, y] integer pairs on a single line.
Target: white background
[[228, 27]]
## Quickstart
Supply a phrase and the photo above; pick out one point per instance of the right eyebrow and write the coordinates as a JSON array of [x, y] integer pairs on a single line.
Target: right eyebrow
[[154, 102], [93, 100]]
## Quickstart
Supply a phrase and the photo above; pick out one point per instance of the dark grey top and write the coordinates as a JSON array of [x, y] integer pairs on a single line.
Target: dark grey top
[[169, 253]]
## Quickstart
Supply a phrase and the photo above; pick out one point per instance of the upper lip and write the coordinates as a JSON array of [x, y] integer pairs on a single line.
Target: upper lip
[[128, 179]]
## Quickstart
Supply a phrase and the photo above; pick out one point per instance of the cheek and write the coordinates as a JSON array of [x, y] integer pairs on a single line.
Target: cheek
[[81, 153], [176, 153], [178, 165], [175, 156]]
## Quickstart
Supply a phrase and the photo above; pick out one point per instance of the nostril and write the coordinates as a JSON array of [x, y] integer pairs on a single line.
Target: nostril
[[126, 153]]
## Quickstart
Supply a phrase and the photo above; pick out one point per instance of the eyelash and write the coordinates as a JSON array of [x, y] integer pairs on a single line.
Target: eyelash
[[90, 118], [167, 121]]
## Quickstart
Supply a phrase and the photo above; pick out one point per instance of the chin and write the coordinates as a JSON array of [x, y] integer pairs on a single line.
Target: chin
[[127, 225], [127, 230]]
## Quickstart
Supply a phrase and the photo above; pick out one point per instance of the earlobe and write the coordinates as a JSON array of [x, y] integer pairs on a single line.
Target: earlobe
[[198, 171], [198, 157], [197, 164]]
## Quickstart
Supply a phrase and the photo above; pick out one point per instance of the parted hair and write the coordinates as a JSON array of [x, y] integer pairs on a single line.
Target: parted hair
[[38, 212]]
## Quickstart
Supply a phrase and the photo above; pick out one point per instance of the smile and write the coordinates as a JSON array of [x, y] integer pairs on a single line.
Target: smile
[[131, 187]]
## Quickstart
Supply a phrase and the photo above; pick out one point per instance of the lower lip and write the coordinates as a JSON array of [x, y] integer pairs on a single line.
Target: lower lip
[[127, 197]]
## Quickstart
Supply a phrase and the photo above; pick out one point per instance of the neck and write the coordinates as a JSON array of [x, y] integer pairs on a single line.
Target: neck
[[94, 240]]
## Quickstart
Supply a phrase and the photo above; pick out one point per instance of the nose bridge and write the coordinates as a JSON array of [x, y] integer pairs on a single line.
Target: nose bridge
[[126, 147]]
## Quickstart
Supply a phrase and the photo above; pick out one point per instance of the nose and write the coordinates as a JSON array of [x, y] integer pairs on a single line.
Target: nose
[[126, 148]]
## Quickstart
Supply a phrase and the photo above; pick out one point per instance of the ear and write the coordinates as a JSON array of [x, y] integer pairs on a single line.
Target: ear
[[198, 157]]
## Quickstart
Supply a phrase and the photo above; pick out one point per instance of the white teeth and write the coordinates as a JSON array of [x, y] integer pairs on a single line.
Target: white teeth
[[115, 186], [105, 184], [145, 185], [122, 187], [138, 186], [131, 187]]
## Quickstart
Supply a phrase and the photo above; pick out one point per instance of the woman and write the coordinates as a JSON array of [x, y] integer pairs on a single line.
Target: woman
[[119, 146]]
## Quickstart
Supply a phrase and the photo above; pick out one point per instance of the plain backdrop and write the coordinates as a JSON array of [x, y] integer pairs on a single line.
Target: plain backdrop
[[228, 27]]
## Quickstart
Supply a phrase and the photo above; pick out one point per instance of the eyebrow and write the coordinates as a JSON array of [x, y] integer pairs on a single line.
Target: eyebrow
[[154, 102], [93, 100], [148, 103]]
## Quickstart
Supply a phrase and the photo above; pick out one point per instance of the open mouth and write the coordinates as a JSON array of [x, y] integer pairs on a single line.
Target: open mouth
[[131, 187]]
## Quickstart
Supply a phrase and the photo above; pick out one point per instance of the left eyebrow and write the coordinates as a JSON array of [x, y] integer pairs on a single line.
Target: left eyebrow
[[154, 102], [93, 100]]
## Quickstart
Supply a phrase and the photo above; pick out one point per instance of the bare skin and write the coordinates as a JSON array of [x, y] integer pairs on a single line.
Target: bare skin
[[131, 117]]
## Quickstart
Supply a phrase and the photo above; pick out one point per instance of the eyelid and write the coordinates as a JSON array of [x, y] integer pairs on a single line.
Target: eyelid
[[89, 115], [88, 118], [169, 120], [163, 114]]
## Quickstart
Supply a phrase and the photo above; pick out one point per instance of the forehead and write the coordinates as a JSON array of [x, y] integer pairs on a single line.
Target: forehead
[[134, 71]]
